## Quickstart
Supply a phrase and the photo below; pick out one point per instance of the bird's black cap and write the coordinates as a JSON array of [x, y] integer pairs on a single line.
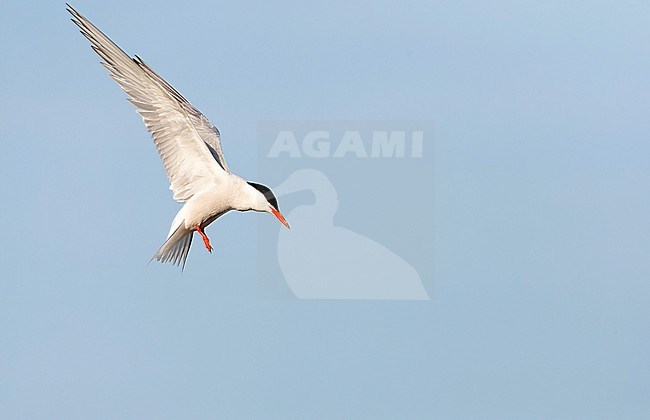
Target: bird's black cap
[[267, 193]]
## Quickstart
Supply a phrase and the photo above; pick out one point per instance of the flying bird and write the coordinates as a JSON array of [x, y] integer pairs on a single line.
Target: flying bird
[[189, 146]]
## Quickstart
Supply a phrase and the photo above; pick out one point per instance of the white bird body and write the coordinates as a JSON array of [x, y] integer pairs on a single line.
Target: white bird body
[[214, 200], [189, 146]]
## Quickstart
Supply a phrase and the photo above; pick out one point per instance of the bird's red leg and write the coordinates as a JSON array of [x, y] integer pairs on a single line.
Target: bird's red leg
[[206, 241]]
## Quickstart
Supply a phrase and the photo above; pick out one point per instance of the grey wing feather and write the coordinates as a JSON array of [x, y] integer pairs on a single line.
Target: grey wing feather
[[187, 142], [208, 132]]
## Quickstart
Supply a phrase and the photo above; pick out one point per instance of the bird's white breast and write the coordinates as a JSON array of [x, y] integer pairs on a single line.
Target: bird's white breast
[[215, 199]]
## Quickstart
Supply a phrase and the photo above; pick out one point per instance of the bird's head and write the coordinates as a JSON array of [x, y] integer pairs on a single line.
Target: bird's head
[[265, 201]]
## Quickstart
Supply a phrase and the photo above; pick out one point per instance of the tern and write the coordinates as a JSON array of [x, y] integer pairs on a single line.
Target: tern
[[189, 146]]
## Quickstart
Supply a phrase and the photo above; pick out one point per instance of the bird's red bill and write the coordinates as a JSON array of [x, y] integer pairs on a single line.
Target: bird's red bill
[[280, 217]]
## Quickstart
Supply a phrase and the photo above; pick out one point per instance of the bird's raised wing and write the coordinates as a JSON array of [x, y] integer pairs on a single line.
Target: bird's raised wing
[[208, 132], [189, 145]]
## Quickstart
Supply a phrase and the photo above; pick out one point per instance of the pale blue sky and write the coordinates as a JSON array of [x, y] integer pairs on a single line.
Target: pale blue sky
[[541, 288]]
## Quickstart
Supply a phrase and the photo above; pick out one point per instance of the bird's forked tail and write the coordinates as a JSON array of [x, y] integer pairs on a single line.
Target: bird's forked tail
[[176, 247]]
